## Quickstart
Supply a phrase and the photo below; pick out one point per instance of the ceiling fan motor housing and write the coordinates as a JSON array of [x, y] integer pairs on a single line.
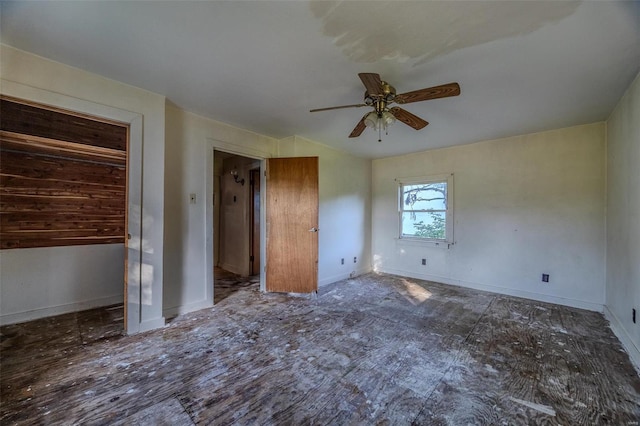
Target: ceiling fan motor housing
[[387, 96], [389, 91]]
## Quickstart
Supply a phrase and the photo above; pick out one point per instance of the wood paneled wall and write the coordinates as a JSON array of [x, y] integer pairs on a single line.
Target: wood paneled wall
[[29, 119], [62, 178]]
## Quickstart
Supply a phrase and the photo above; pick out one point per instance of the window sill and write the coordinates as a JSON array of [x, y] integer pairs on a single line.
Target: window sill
[[424, 243]]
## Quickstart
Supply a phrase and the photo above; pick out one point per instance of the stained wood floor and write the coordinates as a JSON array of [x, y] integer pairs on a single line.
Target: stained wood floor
[[377, 349]]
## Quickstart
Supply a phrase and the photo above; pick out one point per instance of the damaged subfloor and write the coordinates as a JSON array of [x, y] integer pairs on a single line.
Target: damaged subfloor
[[227, 283], [375, 349]]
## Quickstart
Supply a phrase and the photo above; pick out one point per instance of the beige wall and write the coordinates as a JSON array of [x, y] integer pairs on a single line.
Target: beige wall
[[523, 206], [191, 140], [623, 219], [235, 215]]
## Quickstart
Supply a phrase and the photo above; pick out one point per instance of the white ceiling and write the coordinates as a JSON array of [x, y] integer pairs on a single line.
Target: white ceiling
[[522, 66]]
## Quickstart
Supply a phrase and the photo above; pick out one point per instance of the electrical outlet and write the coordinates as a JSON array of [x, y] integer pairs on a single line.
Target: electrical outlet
[[424, 262], [355, 259], [342, 261], [545, 278]]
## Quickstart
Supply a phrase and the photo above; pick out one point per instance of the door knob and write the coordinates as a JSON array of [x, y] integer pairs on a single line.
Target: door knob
[[313, 230]]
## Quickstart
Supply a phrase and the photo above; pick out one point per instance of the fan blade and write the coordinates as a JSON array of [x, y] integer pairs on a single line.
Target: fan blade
[[338, 107], [407, 118], [372, 83], [357, 131], [444, 91]]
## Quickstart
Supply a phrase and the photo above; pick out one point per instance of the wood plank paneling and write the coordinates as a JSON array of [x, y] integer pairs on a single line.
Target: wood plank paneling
[[21, 164], [16, 183], [17, 142], [97, 231], [54, 192], [10, 204], [36, 121], [58, 242], [55, 225]]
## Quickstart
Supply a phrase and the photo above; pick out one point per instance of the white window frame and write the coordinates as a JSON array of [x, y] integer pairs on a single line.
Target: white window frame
[[441, 178]]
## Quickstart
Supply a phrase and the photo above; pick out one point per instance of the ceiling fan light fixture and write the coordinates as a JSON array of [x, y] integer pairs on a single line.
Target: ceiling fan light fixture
[[371, 120], [387, 119], [381, 121]]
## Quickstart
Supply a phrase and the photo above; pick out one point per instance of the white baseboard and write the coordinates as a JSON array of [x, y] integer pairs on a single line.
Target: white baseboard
[[49, 311], [574, 303], [343, 276], [185, 309], [623, 336]]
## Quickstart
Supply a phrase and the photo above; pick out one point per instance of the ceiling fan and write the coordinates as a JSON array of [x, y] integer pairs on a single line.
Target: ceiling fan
[[380, 94]]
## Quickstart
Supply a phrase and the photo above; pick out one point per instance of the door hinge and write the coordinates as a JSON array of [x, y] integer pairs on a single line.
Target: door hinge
[[250, 258]]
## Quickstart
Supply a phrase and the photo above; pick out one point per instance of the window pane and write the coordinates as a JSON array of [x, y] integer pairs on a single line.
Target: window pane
[[424, 225], [426, 196]]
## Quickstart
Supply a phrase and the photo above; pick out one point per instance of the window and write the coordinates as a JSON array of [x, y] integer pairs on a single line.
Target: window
[[426, 208]]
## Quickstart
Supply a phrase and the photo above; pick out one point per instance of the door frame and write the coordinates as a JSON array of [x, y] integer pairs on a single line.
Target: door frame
[[253, 172], [212, 145]]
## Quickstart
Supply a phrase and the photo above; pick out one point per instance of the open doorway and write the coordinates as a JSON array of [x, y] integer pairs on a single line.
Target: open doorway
[[236, 224]]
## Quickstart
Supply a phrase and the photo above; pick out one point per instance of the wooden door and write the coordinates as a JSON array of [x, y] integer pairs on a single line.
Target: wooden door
[[255, 222], [292, 225]]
